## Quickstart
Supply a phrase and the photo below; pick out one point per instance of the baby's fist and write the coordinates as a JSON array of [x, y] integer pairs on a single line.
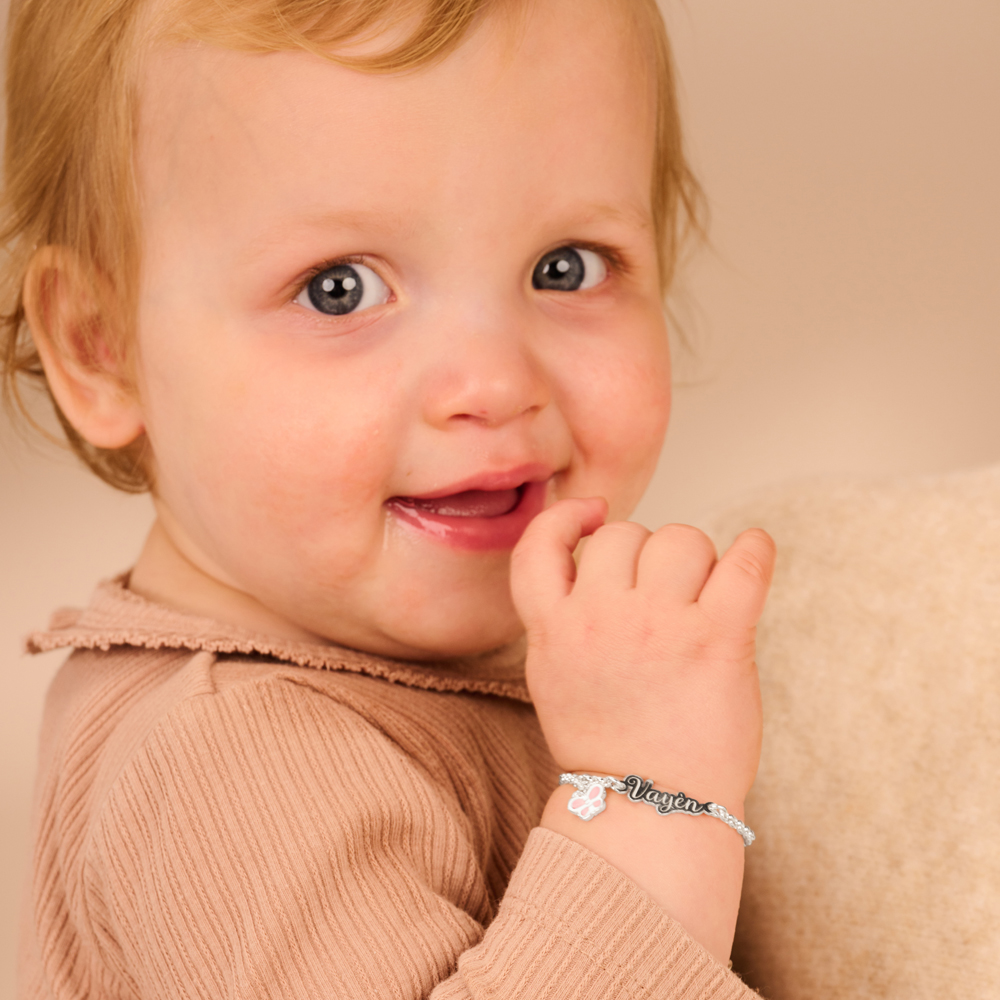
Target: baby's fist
[[641, 660]]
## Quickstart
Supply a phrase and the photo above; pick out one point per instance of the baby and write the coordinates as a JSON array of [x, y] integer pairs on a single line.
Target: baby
[[368, 293]]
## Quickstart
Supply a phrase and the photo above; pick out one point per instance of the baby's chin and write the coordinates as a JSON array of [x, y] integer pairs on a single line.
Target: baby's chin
[[466, 647], [426, 615], [420, 620], [435, 639]]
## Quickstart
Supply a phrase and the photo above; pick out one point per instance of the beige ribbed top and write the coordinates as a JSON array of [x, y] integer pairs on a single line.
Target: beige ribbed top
[[223, 815]]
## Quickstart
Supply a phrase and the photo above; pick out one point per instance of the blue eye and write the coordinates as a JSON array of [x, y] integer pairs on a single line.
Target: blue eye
[[569, 269], [343, 289]]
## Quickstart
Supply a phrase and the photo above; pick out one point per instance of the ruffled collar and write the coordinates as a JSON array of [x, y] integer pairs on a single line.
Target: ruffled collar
[[118, 617]]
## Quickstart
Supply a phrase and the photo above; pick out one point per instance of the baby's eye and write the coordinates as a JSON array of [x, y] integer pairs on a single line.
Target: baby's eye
[[569, 269], [342, 289]]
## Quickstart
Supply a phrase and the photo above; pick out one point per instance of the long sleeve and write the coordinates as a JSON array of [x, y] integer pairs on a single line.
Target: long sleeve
[[267, 840]]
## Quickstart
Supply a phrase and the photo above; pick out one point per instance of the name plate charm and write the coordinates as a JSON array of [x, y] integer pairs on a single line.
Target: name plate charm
[[591, 791], [664, 803]]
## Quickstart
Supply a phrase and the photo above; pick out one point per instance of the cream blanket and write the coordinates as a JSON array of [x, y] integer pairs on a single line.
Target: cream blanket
[[877, 805]]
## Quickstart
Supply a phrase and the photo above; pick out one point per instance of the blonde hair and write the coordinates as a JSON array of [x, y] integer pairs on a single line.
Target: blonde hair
[[72, 99]]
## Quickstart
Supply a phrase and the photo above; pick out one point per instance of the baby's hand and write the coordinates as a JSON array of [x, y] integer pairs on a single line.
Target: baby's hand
[[641, 660]]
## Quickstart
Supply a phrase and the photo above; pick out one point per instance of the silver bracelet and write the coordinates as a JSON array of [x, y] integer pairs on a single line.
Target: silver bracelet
[[591, 793]]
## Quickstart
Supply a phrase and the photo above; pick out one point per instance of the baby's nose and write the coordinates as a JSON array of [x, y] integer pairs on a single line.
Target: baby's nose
[[489, 379]]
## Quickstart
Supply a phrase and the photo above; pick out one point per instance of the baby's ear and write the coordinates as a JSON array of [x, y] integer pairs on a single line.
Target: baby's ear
[[69, 312]]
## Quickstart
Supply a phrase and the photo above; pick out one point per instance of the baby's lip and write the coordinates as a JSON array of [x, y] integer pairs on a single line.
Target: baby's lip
[[468, 503], [473, 520], [507, 482]]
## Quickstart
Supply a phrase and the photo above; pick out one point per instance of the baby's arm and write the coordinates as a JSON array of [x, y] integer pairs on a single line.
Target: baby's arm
[[269, 837], [641, 661]]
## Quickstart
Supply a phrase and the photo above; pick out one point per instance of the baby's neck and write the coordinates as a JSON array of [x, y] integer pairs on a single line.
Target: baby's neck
[[163, 573]]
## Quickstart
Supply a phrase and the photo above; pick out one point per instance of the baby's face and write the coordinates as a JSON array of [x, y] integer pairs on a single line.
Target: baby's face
[[385, 319]]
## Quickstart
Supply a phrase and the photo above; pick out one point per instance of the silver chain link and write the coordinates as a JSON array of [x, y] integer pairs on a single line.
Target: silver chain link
[[581, 782], [721, 812]]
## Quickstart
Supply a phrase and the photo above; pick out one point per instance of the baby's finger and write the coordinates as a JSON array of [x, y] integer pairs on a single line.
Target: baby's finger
[[542, 568], [610, 556], [737, 589], [676, 562]]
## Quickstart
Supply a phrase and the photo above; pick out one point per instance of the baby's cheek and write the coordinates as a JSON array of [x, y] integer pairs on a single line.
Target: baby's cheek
[[621, 428], [312, 472]]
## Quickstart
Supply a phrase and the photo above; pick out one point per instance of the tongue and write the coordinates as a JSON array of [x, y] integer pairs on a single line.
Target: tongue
[[472, 503]]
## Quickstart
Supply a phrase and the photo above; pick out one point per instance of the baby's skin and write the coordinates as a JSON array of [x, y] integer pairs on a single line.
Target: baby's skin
[[387, 326]]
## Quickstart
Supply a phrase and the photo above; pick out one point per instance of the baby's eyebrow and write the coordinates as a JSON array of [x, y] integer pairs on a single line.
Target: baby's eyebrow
[[631, 214], [290, 231]]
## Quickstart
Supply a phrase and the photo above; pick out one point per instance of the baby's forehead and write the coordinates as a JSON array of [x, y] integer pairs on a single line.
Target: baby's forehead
[[491, 119]]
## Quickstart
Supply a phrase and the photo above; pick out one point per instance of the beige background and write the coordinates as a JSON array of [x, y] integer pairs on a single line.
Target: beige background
[[846, 322]]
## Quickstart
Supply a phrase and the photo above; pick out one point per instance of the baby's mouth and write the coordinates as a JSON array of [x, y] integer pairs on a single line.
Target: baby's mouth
[[471, 503], [473, 520]]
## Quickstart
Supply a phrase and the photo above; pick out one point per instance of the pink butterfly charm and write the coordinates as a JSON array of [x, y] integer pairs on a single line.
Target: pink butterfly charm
[[590, 803]]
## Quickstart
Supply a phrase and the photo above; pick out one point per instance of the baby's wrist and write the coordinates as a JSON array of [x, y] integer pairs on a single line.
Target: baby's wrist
[[691, 867]]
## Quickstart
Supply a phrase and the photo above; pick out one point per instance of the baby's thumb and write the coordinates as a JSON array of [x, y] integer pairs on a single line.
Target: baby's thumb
[[736, 591], [541, 566]]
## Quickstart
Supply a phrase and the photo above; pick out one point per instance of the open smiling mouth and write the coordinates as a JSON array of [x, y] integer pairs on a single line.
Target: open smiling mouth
[[474, 520]]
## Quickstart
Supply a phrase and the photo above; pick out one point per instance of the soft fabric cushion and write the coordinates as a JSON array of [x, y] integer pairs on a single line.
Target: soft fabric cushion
[[877, 805]]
